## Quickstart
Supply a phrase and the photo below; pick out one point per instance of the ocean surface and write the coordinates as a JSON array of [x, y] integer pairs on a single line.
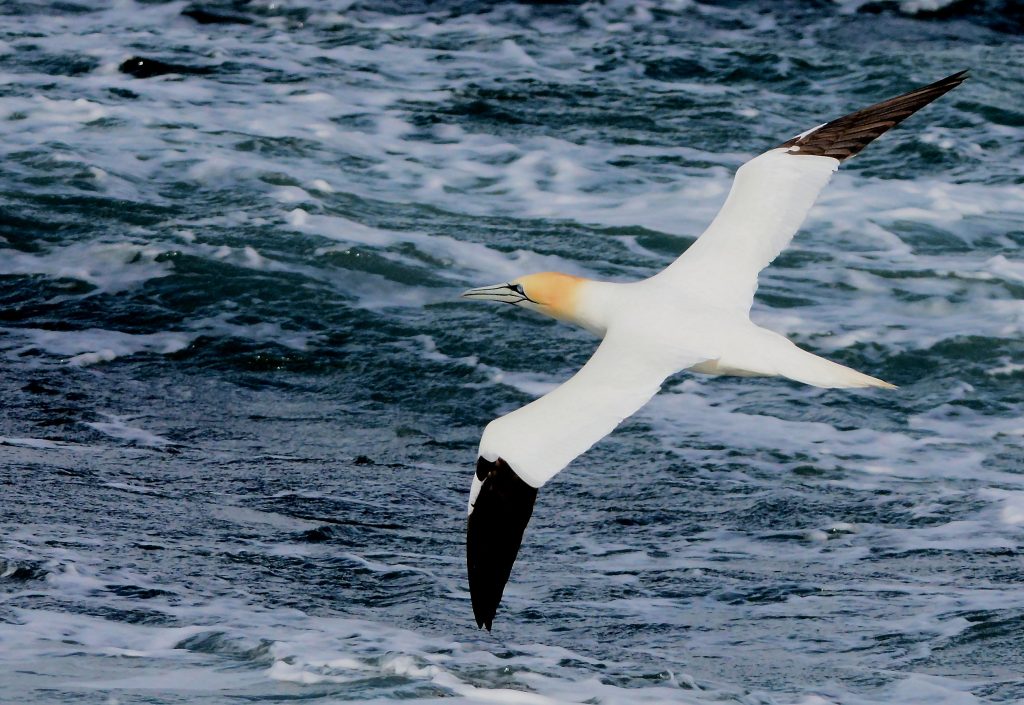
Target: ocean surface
[[241, 398]]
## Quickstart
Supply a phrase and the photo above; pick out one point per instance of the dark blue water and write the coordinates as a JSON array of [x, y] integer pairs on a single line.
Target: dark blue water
[[241, 396]]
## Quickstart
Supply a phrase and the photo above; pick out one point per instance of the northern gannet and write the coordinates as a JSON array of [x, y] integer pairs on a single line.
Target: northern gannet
[[693, 315]]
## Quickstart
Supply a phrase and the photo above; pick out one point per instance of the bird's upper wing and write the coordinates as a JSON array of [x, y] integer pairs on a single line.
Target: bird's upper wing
[[541, 438], [772, 194]]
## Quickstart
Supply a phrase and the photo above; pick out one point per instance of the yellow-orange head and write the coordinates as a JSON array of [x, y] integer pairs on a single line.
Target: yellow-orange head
[[552, 293]]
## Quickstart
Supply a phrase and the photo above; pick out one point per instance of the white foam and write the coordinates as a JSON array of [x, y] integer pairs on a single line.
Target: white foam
[[30, 442], [111, 267], [460, 256], [532, 383], [1007, 368], [1011, 502], [119, 427], [92, 345]]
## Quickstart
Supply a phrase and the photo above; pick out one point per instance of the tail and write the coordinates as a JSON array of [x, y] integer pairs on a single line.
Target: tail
[[808, 368]]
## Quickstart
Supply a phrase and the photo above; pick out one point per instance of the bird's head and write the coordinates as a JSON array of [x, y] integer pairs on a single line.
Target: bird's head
[[551, 293]]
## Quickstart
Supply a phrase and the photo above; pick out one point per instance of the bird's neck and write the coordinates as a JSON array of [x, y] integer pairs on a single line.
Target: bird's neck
[[594, 306]]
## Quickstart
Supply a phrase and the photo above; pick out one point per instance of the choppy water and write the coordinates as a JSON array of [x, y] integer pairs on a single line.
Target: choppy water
[[241, 398]]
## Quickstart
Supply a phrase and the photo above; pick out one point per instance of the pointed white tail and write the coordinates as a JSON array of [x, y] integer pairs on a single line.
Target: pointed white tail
[[808, 368]]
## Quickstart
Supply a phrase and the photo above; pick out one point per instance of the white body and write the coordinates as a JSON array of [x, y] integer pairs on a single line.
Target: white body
[[693, 315]]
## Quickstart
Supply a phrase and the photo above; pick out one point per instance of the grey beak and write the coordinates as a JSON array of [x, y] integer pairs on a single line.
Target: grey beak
[[495, 292]]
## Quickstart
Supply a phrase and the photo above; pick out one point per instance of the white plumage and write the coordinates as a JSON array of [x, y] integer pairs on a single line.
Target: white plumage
[[770, 197], [693, 315], [541, 438]]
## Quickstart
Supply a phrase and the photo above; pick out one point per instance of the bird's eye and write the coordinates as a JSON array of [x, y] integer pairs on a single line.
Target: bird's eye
[[518, 288]]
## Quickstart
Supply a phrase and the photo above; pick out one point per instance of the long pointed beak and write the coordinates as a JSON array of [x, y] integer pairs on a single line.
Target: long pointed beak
[[496, 292]]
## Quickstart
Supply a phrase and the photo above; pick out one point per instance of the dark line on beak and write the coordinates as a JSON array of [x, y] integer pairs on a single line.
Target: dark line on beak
[[499, 290], [487, 295], [522, 295]]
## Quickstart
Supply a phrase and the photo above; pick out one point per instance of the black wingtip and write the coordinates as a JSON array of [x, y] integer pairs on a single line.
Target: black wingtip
[[846, 136], [480, 623], [494, 534]]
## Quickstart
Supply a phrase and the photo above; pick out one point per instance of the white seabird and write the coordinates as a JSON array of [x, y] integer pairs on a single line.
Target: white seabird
[[693, 315]]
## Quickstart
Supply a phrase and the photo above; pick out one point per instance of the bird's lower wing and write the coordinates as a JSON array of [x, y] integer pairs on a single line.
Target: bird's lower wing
[[522, 450], [772, 194], [622, 375]]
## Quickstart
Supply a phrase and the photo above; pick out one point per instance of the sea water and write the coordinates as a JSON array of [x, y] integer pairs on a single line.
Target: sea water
[[241, 396]]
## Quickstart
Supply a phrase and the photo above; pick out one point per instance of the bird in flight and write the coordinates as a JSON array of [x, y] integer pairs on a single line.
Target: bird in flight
[[693, 315]]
